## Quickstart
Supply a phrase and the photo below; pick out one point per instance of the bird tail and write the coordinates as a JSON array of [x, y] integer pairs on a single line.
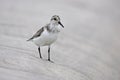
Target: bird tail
[[29, 39]]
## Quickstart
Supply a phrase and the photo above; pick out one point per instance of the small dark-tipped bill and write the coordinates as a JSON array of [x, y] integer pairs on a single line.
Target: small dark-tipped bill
[[61, 24]]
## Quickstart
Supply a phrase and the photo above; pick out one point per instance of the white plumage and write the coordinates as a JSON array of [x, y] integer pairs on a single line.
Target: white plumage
[[46, 38], [47, 34]]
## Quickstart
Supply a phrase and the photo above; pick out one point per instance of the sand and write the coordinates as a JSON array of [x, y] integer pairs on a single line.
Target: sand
[[87, 48]]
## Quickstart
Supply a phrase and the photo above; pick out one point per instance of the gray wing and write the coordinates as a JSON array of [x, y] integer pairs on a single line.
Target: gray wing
[[38, 33]]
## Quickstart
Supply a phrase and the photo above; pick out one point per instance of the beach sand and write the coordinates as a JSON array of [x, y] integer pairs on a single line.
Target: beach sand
[[88, 48]]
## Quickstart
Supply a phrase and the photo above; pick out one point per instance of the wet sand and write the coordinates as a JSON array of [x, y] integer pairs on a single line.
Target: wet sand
[[87, 48]]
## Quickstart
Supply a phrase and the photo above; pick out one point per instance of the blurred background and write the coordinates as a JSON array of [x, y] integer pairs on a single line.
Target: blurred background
[[89, 45]]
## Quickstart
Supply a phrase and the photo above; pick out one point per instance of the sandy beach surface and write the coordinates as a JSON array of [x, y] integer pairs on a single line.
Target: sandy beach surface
[[88, 48]]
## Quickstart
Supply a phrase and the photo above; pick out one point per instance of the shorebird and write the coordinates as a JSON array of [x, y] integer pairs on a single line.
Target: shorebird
[[47, 34]]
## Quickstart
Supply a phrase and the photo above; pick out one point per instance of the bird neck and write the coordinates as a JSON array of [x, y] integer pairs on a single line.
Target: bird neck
[[53, 23], [54, 27]]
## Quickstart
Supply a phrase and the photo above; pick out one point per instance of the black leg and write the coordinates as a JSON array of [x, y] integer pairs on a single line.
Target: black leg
[[39, 52], [49, 53]]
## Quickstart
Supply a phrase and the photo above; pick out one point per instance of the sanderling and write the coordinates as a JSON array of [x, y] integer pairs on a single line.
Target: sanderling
[[47, 34]]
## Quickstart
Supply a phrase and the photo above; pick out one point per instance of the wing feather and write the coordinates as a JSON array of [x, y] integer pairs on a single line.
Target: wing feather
[[38, 33]]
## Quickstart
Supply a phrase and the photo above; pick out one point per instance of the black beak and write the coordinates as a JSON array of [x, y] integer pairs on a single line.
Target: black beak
[[61, 24]]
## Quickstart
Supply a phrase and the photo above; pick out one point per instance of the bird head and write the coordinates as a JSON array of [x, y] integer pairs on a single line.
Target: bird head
[[56, 20]]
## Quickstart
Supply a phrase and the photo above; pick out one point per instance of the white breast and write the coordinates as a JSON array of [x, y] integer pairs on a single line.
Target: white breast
[[47, 38]]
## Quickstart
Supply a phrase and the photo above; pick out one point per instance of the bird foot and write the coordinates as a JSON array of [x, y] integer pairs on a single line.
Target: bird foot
[[41, 57], [50, 61]]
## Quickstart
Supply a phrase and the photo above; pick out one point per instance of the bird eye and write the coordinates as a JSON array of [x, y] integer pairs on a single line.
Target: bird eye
[[55, 19]]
